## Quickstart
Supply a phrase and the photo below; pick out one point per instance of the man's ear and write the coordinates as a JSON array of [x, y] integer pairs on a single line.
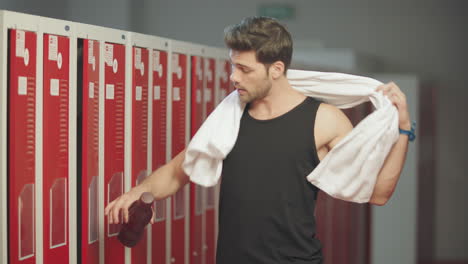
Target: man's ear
[[277, 69]]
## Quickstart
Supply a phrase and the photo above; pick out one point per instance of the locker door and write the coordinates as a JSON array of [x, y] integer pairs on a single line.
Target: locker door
[[225, 84], [196, 191], [179, 94], [56, 148], [209, 101], [208, 94], [159, 149], [140, 134], [90, 153], [22, 147], [114, 118]]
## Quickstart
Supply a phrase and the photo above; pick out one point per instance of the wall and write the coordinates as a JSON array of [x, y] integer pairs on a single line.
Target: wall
[[394, 226]]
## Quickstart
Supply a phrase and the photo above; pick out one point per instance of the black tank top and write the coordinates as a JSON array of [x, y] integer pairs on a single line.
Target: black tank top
[[266, 207]]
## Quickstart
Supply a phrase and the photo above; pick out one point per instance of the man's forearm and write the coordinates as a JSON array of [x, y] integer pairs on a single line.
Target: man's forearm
[[390, 172], [166, 180]]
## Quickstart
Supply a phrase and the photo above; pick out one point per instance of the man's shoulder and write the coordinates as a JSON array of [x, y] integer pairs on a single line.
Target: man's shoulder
[[328, 112], [331, 124]]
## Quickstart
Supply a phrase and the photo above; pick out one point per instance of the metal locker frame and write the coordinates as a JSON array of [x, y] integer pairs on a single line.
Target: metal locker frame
[[40, 25], [154, 43], [183, 48], [102, 35]]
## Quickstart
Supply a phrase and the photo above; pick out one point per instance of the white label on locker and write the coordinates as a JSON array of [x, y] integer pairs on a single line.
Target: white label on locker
[[155, 60], [53, 48], [157, 92], [91, 90], [94, 63], [109, 55], [176, 94], [59, 61], [175, 62], [199, 96], [160, 70], [179, 72], [137, 58], [138, 92], [20, 43], [142, 68], [22, 85], [26, 57], [207, 95], [90, 51], [115, 66], [54, 87], [110, 91]]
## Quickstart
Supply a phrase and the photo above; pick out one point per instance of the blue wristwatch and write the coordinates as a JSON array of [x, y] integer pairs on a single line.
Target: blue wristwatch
[[411, 133]]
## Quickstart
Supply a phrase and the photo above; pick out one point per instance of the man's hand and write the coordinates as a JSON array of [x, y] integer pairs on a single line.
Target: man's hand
[[121, 205], [398, 98]]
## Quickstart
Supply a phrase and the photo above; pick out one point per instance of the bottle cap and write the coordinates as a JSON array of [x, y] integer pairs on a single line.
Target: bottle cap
[[147, 198]]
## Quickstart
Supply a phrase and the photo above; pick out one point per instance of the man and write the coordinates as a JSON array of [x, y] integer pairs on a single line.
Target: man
[[266, 210]]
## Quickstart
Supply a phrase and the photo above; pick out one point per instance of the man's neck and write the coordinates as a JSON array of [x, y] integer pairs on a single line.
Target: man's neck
[[281, 99]]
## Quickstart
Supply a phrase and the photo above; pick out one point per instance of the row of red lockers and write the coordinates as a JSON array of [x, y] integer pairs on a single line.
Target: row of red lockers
[[201, 72]]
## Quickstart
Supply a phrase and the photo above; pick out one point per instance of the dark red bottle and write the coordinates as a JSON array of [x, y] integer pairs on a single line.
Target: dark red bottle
[[139, 215]]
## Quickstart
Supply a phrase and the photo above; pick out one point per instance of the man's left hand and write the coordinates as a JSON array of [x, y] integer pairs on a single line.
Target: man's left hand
[[398, 98]]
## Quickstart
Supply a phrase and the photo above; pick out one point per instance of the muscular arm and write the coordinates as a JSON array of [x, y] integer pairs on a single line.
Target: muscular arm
[[393, 165], [162, 183], [390, 172]]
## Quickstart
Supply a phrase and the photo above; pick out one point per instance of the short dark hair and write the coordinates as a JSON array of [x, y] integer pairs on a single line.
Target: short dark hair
[[270, 40]]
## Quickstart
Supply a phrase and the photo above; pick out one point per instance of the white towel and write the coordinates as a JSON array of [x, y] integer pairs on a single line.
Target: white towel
[[348, 172]]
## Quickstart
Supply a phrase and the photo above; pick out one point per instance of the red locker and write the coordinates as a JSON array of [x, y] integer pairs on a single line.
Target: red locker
[[22, 147], [140, 134], [210, 217], [179, 88], [197, 82], [90, 154], [56, 148], [159, 149], [196, 191], [225, 85], [208, 94], [114, 116]]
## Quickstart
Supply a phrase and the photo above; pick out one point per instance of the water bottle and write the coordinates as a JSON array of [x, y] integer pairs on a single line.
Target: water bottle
[[139, 215]]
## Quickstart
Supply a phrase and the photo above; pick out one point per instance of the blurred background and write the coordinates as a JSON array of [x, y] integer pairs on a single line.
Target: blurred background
[[423, 43]]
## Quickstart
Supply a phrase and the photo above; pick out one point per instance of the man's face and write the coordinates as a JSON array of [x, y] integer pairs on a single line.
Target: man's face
[[249, 76]]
